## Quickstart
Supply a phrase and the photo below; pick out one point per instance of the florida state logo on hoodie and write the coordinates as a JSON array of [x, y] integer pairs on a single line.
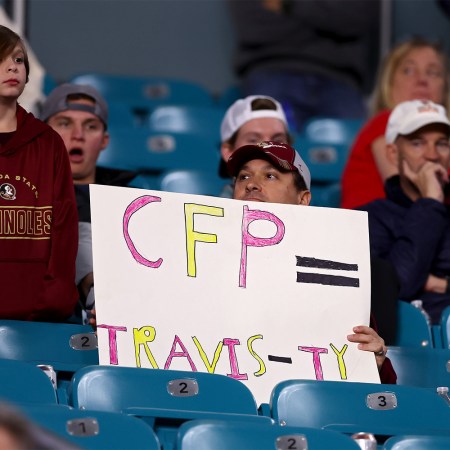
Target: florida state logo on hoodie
[[7, 191]]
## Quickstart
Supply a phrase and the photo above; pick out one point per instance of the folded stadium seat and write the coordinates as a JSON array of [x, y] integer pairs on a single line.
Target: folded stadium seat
[[220, 435], [153, 153], [163, 398], [92, 429], [417, 443], [191, 182], [325, 144], [26, 383], [412, 327], [350, 407], [423, 367], [445, 328], [201, 120], [60, 347], [146, 92], [327, 195], [182, 181], [121, 115]]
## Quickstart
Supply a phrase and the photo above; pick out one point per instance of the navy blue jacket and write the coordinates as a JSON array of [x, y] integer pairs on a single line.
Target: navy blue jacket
[[415, 238]]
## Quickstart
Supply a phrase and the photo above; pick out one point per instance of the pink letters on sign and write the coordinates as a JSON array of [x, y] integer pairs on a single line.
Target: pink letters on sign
[[230, 343], [316, 359], [134, 206], [183, 354], [248, 240], [113, 357]]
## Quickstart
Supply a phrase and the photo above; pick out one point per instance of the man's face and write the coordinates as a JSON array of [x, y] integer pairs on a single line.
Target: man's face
[[428, 144], [258, 180], [84, 136], [255, 131]]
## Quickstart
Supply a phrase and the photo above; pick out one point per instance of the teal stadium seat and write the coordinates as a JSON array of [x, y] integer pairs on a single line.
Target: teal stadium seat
[[219, 435], [63, 347], [92, 429], [201, 120], [146, 92], [66, 347], [229, 96], [350, 407], [149, 152], [26, 383], [412, 327], [445, 328], [163, 398], [325, 144], [49, 84], [326, 195], [417, 443], [182, 181], [423, 367]]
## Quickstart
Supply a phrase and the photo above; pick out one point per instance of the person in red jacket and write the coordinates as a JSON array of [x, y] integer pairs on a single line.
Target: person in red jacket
[[274, 172], [38, 214]]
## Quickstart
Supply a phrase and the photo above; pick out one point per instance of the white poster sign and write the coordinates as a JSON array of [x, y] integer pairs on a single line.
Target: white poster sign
[[259, 292]]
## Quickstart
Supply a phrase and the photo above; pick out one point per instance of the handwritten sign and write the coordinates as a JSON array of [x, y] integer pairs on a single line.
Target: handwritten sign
[[259, 292]]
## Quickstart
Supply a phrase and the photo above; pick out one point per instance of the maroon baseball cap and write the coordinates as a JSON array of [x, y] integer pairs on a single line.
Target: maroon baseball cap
[[281, 155]]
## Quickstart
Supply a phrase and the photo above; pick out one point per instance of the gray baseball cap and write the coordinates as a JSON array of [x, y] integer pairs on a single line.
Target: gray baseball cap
[[57, 102]]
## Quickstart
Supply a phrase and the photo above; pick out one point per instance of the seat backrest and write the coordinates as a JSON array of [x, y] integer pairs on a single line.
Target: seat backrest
[[412, 327], [23, 382], [354, 407], [221, 435], [417, 443], [325, 144], [110, 388], [93, 429], [146, 151], [202, 120], [423, 367], [326, 195], [163, 398], [445, 327], [66, 347], [192, 182], [146, 91], [332, 130]]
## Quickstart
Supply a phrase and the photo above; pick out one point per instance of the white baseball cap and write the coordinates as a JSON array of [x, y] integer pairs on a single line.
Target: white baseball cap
[[408, 117], [241, 112]]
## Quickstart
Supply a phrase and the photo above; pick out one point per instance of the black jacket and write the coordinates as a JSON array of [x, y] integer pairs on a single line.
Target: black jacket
[[415, 238]]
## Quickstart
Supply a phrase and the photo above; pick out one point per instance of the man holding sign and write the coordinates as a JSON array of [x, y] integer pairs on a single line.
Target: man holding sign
[[274, 172], [233, 287]]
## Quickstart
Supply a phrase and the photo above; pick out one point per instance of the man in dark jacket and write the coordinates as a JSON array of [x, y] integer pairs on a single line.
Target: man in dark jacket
[[411, 227]]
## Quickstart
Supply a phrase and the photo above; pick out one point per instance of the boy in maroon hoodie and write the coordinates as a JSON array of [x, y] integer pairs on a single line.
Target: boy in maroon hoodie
[[38, 215]]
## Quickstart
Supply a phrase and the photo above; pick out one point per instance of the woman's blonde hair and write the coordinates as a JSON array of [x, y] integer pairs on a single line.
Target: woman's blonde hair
[[382, 96]]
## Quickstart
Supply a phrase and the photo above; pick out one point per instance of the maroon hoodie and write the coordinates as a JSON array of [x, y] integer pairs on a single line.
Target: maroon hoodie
[[38, 224]]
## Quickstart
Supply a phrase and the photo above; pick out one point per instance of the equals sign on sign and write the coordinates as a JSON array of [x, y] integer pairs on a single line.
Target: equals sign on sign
[[322, 278]]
